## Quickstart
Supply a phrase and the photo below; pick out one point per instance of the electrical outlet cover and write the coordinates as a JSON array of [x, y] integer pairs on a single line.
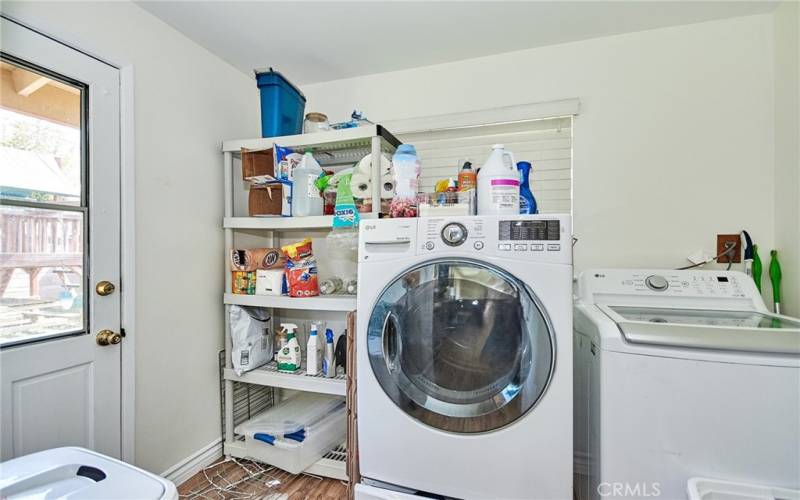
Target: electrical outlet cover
[[723, 242]]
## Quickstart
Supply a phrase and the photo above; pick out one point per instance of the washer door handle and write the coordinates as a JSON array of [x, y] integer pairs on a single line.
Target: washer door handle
[[391, 342]]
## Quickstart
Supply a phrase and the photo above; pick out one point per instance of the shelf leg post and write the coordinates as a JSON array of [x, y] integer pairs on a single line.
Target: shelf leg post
[[228, 173], [376, 175]]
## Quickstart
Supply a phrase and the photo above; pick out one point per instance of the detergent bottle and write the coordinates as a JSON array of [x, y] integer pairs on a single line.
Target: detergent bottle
[[313, 352], [289, 356], [467, 179], [527, 202], [498, 184], [328, 368], [306, 199]]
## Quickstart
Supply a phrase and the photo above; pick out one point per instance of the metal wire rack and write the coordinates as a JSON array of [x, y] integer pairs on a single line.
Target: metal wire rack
[[248, 400]]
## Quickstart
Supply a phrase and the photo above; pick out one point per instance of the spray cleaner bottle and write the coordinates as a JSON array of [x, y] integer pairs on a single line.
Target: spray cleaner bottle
[[289, 356], [328, 368], [527, 202]]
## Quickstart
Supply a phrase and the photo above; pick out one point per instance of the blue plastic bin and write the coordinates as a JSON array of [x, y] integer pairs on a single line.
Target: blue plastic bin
[[282, 105]]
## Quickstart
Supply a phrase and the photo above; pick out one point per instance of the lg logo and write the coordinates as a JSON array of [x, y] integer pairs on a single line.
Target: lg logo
[[635, 490]]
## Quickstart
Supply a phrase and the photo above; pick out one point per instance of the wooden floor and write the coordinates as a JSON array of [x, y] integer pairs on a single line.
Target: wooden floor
[[243, 479]]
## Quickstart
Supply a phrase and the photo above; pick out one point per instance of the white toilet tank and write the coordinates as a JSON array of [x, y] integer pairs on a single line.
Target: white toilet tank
[[73, 472]]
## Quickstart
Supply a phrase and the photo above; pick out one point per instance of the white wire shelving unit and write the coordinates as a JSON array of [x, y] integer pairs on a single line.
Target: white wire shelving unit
[[332, 148]]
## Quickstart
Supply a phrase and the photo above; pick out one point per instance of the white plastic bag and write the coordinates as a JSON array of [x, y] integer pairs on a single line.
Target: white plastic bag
[[251, 338]]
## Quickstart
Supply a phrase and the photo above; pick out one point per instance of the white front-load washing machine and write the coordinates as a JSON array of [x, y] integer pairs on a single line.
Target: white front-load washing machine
[[682, 374], [464, 357]]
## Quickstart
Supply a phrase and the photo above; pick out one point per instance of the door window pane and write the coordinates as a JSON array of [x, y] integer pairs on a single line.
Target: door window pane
[[43, 212], [460, 346], [40, 137], [41, 273]]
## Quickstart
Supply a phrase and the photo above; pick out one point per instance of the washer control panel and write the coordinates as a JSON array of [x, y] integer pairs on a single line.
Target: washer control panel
[[528, 237], [668, 283]]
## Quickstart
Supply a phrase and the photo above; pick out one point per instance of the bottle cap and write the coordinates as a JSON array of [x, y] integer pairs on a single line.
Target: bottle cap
[[407, 149], [467, 165], [498, 146]]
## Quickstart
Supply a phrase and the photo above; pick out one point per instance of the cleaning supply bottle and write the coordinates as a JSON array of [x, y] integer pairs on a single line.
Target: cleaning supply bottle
[[289, 356], [498, 184], [328, 368], [467, 178], [306, 198], [527, 202], [313, 352], [775, 276], [757, 268]]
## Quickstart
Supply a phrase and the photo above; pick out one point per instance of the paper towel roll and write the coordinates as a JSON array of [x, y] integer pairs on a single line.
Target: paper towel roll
[[387, 187], [365, 165], [361, 186]]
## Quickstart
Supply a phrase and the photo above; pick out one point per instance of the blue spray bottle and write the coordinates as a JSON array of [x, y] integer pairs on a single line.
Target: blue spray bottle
[[527, 203], [328, 368]]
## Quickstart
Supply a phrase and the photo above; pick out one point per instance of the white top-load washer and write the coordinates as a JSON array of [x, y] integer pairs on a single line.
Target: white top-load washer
[[464, 357], [681, 374]]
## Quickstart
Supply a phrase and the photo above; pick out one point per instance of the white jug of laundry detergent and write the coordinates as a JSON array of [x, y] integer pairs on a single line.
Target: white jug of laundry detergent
[[498, 184], [306, 199]]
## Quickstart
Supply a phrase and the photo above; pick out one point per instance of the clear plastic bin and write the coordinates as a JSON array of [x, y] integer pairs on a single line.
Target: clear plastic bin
[[296, 457], [448, 203]]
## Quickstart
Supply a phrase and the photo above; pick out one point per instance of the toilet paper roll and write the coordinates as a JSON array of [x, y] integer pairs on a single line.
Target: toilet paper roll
[[361, 186], [387, 187]]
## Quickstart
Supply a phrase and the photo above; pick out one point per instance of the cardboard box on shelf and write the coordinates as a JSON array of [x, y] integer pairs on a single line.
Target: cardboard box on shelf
[[244, 282]]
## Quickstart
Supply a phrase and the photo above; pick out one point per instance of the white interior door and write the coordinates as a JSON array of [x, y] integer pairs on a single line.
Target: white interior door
[[59, 240]]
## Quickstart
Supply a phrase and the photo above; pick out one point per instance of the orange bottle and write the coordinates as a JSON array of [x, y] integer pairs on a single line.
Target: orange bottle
[[467, 178]]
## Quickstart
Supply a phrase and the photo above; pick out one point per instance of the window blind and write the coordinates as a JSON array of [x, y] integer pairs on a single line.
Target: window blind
[[546, 143]]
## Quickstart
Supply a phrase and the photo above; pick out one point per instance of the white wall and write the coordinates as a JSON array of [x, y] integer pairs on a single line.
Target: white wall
[[186, 102], [673, 145], [787, 152]]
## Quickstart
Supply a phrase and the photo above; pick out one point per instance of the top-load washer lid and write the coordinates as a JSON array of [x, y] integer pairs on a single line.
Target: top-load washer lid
[[709, 329], [81, 474]]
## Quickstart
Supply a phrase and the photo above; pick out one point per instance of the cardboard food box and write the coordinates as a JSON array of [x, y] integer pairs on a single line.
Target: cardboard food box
[[244, 282], [257, 258]]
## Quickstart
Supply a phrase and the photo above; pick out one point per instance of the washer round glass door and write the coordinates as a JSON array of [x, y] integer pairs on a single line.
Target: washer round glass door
[[460, 345]]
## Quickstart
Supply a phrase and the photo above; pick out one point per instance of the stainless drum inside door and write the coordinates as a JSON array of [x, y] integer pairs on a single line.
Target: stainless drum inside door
[[460, 345]]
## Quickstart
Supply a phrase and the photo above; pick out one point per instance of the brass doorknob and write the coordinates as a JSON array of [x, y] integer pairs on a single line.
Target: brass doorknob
[[105, 288], [107, 337]]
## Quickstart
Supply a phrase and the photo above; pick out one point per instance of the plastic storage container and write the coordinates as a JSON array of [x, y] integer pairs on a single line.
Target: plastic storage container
[[319, 420], [282, 105]]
